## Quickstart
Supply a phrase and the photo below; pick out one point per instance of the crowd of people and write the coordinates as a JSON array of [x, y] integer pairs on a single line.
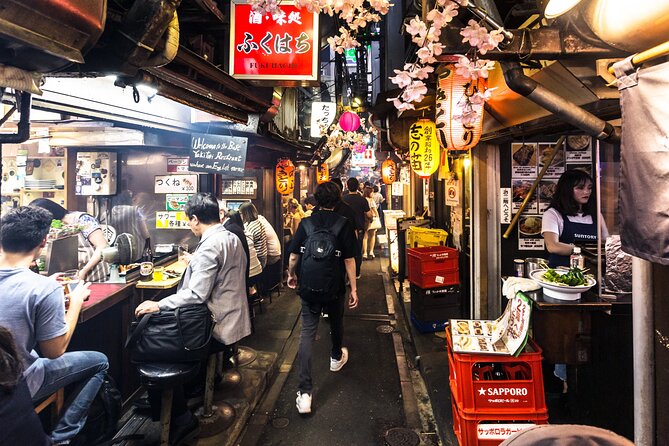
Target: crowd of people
[[237, 260]]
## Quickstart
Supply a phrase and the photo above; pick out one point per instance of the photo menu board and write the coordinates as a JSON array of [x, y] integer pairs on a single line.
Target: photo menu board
[[527, 160]]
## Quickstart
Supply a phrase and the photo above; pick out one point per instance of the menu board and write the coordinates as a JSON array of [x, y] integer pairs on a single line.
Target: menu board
[[527, 160], [218, 154], [505, 335]]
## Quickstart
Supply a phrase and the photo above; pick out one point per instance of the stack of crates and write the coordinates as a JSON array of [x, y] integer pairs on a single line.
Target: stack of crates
[[495, 396], [435, 287]]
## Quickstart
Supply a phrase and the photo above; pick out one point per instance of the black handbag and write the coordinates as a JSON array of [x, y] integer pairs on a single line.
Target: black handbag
[[179, 335]]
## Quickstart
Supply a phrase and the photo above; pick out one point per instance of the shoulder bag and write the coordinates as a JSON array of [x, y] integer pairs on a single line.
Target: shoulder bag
[[179, 335]]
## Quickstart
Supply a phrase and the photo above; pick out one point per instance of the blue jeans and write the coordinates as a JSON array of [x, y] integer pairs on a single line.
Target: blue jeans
[[86, 369], [311, 314]]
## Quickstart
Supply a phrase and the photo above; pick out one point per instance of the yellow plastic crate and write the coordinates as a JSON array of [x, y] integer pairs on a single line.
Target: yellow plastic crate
[[421, 237]]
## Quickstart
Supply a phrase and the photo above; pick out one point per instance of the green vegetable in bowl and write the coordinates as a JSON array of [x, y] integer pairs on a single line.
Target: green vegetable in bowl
[[573, 277], [56, 224]]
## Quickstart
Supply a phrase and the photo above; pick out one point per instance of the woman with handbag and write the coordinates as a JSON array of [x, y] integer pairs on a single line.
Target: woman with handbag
[[369, 239]]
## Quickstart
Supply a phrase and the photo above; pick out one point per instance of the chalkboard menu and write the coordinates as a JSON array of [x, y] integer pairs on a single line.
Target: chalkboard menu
[[218, 154]]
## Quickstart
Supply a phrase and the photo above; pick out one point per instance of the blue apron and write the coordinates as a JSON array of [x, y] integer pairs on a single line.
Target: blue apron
[[579, 233]]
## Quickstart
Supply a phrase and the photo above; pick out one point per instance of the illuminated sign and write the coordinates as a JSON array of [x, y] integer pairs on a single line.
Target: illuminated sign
[[279, 46]]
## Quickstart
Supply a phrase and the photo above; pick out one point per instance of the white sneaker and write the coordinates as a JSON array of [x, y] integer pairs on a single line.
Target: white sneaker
[[303, 402], [335, 365]]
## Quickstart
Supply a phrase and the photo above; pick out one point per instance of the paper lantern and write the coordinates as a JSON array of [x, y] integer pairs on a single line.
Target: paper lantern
[[349, 121], [452, 93], [322, 173], [285, 177], [388, 171], [423, 148]]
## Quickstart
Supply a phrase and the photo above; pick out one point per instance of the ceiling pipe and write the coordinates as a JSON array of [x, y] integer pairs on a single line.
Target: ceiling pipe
[[568, 111]]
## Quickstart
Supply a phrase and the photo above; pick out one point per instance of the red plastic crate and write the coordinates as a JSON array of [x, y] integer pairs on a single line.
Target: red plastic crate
[[433, 266], [474, 429], [522, 392]]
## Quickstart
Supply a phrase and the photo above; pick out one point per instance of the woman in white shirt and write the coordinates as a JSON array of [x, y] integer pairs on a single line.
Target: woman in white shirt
[[570, 218]]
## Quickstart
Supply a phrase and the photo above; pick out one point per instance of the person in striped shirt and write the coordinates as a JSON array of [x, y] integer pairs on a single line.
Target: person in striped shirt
[[255, 227]]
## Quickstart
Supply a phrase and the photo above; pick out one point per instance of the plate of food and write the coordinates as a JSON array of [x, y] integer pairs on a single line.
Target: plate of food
[[563, 283], [578, 142], [530, 225]]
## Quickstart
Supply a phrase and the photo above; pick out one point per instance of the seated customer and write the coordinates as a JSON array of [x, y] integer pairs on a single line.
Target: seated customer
[[33, 309], [19, 423], [216, 275]]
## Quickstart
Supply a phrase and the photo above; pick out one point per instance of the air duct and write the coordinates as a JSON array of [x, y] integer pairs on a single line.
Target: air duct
[[568, 111], [571, 113]]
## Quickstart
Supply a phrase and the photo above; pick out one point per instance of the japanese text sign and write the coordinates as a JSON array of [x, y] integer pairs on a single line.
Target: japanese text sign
[[423, 148], [322, 115], [279, 46], [218, 154], [171, 220], [177, 184], [363, 158]]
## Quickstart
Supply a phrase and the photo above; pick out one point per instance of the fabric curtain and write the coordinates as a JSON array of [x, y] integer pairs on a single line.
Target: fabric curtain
[[644, 185]]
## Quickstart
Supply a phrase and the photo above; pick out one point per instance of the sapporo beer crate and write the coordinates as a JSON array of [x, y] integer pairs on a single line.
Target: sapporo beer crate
[[497, 384], [473, 429], [421, 237], [433, 266]]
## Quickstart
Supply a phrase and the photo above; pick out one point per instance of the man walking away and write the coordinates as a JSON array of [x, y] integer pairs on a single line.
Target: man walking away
[[32, 308], [363, 214], [324, 244]]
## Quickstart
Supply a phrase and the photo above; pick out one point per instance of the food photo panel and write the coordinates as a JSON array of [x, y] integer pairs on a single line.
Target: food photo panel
[[556, 167], [524, 160], [520, 189]]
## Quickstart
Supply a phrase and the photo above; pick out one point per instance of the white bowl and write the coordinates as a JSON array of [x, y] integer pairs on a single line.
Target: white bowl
[[562, 292]]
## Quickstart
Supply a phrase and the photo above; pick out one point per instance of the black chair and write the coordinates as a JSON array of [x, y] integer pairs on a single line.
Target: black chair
[[270, 280], [165, 377]]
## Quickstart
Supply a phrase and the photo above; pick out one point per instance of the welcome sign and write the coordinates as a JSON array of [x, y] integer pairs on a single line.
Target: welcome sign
[[225, 155], [279, 46]]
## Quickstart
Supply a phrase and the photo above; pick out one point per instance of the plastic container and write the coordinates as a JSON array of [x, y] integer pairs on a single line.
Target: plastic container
[[422, 237], [473, 429], [436, 303], [429, 326], [521, 390], [433, 267]]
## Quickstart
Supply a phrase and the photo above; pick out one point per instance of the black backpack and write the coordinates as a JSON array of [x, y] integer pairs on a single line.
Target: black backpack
[[103, 417], [321, 266]]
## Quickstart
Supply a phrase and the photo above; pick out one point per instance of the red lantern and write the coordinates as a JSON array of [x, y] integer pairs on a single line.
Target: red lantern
[[285, 177], [452, 93], [388, 171], [349, 121], [322, 173]]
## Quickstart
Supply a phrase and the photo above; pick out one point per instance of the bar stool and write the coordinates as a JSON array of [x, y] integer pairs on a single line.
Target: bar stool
[[164, 377], [214, 418], [55, 400]]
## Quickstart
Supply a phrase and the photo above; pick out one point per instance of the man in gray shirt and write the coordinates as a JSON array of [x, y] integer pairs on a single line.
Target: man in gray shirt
[[33, 309]]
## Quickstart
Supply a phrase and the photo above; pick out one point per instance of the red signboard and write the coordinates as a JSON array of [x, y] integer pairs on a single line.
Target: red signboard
[[282, 46]]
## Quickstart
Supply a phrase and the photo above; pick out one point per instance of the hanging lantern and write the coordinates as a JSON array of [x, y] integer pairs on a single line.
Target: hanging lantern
[[322, 173], [453, 92], [423, 148], [349, 121], [285, 176], [388, 171]]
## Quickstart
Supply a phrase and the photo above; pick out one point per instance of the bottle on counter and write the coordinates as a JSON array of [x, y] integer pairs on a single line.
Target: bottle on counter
[[146, 266], [576, 259]]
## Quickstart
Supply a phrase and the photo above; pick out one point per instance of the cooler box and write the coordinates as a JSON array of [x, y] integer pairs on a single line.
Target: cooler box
[[436, 303], [421, 237], [432, 267]]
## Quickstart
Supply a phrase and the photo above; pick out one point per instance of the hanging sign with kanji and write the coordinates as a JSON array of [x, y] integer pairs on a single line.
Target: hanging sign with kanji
[[277, 46], [423, 148]]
